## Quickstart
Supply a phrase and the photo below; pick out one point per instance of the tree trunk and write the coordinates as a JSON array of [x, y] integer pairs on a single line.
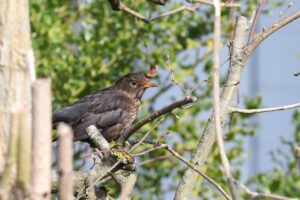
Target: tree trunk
[[15, 64]]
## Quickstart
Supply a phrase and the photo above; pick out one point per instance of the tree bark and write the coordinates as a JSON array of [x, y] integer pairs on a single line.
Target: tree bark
[[15, 56], [238, 60]]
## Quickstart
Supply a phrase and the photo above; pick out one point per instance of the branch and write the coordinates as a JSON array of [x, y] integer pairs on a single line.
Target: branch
[[260, 110], [207, 2], [117, 5], [255, 195], [7, 180], [97, 138], [156, 114], [266, 33], [180, 9], [159, 2], [41, 138], [256, 17], [208, 136], [182, 159], [127, 186], [216, 95], [65, 161]]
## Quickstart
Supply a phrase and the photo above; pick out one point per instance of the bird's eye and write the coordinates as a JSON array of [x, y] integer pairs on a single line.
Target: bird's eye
[[133, 82]]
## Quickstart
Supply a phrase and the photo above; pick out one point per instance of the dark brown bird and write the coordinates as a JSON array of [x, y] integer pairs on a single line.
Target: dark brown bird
[[112, 110]]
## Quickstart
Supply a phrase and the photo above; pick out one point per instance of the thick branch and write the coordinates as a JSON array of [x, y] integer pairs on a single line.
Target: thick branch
[[208, 136], [156, 114], [260, 110], [97, 138]]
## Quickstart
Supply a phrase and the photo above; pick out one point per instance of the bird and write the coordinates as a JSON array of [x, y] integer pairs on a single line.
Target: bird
[[112, 110]]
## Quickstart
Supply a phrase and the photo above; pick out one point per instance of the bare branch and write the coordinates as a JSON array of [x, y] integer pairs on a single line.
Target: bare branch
[[255, 195], [216, 94], [208, 136], [8, 177], [117, 5], [41, 139], [65, 161], [256, 17], [182, 159], [156, 114], [145, 136], [208, 2], [266, 33], [171, 12], [97, 138], [260, 110], [127, 186]]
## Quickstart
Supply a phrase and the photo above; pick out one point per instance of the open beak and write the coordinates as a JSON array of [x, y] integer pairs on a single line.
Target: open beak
[[149, 85]]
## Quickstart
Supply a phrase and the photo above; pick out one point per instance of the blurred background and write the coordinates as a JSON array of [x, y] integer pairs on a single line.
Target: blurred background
[[83, 45]]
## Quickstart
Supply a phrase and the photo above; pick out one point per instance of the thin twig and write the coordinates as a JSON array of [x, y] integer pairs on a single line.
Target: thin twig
[[255, 195], [118, 5], [182, 159], [260, 110], [207, 2], [146, 162], [156, 114], [171, 12], [216, 94], [257, 14], [266, 33], [145, 136]]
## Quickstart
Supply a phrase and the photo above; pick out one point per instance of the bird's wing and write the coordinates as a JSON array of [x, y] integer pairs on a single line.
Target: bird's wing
[[73, 113], [104, 110], [102, 121]]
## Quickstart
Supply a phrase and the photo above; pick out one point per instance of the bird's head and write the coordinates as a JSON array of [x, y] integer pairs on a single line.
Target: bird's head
[[136, 83]]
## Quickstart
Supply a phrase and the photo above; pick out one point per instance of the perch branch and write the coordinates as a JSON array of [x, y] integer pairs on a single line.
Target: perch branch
[[260, 110], [97, 138], [156, 114]]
